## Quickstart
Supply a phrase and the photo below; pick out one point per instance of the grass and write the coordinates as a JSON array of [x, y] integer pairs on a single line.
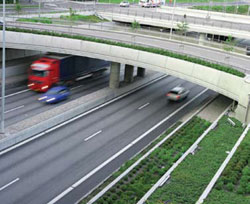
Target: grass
[[167, 1], [233, 186], [242, 9], [44, 20], [135, 184], [78, 17], [136, 47], [191, 177]]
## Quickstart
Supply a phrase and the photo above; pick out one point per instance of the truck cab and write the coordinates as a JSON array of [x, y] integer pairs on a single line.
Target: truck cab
[[43, 74]]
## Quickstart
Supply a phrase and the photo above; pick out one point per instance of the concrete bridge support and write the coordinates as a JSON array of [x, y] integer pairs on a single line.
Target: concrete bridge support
[[114, 78], [202, 38], [129, 71], [141, 72]]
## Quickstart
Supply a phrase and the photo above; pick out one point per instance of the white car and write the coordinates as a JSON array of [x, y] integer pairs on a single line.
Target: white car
[[177, 93], [124, 4]]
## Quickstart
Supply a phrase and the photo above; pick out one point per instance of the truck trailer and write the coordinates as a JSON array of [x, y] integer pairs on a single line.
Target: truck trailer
[[54, 69]]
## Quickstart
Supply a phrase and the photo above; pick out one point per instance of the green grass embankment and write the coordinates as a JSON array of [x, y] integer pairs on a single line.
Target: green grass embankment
[[242, 9], [191, 177], [233, 186]]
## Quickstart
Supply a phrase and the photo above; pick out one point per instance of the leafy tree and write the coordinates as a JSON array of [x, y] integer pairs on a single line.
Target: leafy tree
[[229, 44], [135, 25], [182, 27], [18, 8]]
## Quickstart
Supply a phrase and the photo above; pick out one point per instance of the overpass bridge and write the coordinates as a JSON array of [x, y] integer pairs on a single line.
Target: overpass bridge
[[236, 29], [232, 86]]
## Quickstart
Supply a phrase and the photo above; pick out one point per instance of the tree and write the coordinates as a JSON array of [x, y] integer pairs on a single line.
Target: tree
[[135, 25], [182, 27], [229, 44], [18, 8]]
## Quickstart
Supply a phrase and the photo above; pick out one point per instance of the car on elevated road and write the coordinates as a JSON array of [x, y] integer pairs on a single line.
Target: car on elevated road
[[124, 4]]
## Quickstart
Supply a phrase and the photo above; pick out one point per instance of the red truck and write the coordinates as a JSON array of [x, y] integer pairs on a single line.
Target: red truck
[[52, 69]]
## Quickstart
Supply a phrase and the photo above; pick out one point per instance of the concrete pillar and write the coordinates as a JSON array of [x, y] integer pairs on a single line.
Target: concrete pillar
[[202, 38], [141, 72], [129, 71], [114, 78]]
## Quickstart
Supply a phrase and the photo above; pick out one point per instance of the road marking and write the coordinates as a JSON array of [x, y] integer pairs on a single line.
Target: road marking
[[14, 109], [10, 183], [91, 173], [143, 106], [16, 93], [61, 195], [97, 133], [76, 87]]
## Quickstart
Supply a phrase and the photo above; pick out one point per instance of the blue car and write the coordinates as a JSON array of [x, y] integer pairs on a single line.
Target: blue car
[[55, 94]]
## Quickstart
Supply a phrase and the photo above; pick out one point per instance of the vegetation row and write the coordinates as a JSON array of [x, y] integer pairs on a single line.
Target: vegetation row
[[191, 177], [234, 184], [135, 184], [241, 9], [137, 47]]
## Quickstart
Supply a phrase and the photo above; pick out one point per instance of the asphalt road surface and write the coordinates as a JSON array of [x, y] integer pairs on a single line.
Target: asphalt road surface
[[21, 103], [40, 170]]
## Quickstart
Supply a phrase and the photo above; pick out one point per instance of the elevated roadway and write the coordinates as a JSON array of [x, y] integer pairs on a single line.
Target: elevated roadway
[[229, 85], [237, 29]]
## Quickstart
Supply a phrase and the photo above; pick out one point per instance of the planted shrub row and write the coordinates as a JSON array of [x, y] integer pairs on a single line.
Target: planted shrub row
[[134, 185], [234, 184], [191, 177], [147, 49], [36, 20], [78, 17], [242, 9]]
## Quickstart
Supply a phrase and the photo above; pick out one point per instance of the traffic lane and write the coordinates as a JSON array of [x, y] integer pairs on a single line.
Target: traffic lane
[[92, 182], [89, 120], [73, 154], [26, 105]]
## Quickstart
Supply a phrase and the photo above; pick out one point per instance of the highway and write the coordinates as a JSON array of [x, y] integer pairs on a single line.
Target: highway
[[240, 62], [21, 103], [40, 170]]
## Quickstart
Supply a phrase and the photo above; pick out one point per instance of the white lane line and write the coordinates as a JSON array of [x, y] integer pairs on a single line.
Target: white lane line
[[14, 109], [91, 173], [143, 106], [98, 132], [61, 195], [16, 93], [76, 87], [10, 183]]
